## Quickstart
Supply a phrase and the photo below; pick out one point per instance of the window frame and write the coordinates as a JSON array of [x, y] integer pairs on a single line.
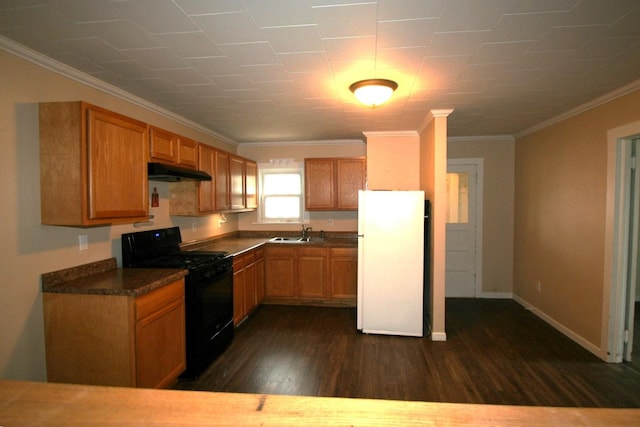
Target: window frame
[[288, 167]]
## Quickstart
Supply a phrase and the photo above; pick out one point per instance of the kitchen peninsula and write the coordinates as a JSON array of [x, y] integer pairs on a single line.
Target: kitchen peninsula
[[33, 403]]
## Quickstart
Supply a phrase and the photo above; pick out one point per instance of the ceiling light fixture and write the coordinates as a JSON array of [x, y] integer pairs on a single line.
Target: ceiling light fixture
[[373, 92]]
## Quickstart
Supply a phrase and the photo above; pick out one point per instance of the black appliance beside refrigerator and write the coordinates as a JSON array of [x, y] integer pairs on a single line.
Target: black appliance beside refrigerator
[[426, 294]]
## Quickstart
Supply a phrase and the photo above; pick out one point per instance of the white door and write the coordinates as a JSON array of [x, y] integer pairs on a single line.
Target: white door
[[462, 276]]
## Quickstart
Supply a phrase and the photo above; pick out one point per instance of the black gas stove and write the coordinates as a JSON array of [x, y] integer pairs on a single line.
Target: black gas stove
[[208, 290]]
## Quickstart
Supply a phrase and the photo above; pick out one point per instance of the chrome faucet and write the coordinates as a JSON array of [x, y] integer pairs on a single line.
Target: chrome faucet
[[305, 232]]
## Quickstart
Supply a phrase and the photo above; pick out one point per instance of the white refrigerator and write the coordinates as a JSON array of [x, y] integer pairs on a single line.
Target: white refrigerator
[[390, 262]]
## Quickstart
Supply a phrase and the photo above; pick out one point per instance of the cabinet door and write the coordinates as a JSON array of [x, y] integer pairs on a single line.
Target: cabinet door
[[250, 287], [344, 271], [279, 272], [236, 184], [118, 156], [351, 175], [222, 180], [312, 272], [162, 145], [239, 284], [160, 347], [187, 153], [251, 184], [259, 276], [319, 184], [206, 163]]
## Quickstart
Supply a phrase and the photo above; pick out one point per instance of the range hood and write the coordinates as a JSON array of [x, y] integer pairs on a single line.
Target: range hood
[[169, 173]]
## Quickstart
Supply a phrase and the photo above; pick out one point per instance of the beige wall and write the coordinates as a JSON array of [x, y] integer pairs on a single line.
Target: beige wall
[[393, 160], [498, 156], [29, 248], [560, 202], [326, 221], [433, 173]]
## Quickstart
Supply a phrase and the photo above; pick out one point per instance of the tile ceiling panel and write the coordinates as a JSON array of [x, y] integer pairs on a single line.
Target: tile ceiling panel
[[271, 70]]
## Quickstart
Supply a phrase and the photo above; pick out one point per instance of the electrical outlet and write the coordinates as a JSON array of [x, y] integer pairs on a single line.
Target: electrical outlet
[[330, 221], [83, 242], [538, 286], [193, 227]]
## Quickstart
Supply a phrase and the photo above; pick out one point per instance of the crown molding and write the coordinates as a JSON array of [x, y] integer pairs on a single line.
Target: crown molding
[[432, 115], [492, 138], [391, 133], [620, 92], [57, 67], [297, 143]]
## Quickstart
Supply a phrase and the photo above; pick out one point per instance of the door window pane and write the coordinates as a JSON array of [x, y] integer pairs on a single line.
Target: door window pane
[[458, 198]]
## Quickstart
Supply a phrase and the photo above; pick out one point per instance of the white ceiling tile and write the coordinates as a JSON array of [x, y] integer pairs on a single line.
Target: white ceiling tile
[[156, 58], [213, 66], [303, 38], [189, 45], [409, 59], [156, 16], [85, 11], [353, 20], [304, 62], [122, 34], [128, 69], [525, 26], [406, 33], [471, 15], [566, 38], [257, 53], [391, 10], [350, 48], [230, 28], [182, 76], [457, 43], [266, 72], [504, 52], [91, 47], [280, 13], [199, 7], [233, 82]]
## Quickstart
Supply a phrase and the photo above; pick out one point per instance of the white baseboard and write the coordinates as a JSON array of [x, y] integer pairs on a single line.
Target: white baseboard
[[602, 354], [438, 336], [496, 295]]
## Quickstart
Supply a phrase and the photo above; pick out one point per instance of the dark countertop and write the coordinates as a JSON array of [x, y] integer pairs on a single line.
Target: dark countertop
[[104, 278], [238, 245]]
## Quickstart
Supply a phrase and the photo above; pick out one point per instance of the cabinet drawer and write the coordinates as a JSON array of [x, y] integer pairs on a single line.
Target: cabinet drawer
[[239, 262], [158, 299], [312, 252], [278, 251], [344, 252]]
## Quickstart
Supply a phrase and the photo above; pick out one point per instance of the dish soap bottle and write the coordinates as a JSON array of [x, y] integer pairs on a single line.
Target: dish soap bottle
[[154, 198]]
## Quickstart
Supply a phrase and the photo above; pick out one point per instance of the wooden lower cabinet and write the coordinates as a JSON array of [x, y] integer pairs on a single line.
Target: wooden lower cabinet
[[343, 277], [116, 340], [248, 283], [312, 272], [311, 275]]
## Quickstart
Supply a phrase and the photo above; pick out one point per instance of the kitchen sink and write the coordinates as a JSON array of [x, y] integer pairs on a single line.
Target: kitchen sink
[[290, 239]]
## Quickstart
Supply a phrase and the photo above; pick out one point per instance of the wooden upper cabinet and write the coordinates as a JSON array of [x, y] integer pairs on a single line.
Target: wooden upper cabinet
[[333, 183], [319, 181], [167, 147], [93, 166], [236, 182], [251, 184], [206, 190], [187, 152], [222, 180], [351, 178]]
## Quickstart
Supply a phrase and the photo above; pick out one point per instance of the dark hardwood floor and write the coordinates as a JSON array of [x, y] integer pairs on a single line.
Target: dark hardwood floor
[[496, 353]]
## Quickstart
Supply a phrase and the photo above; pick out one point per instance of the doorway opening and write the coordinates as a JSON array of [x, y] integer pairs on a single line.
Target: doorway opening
[[623, 202], [463, 276]]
